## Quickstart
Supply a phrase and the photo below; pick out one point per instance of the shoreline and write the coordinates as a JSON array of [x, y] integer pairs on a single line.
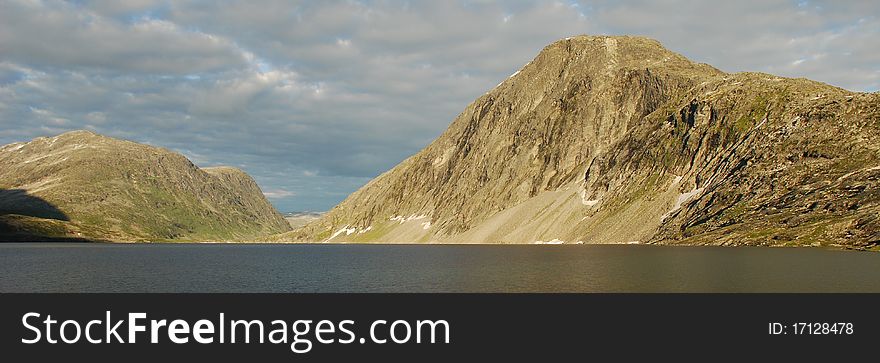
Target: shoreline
[[834, 247]]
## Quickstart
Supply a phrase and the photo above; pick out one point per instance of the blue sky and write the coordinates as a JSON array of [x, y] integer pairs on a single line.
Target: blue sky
[[315, 98]]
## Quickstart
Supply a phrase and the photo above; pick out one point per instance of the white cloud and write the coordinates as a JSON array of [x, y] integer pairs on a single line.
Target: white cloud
[[60, 35], [829, 41], [116, 7], [278, 194]]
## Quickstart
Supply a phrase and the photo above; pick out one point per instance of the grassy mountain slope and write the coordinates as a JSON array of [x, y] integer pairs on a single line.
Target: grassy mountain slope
[[83, 185]]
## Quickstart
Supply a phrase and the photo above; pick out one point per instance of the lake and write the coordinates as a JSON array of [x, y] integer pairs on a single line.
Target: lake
[[83, 267]]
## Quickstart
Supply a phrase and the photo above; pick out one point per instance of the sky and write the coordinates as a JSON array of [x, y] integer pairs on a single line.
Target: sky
[[315, 98]]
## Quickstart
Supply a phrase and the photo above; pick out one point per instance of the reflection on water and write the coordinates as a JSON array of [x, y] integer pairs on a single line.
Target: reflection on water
[[81, 267]]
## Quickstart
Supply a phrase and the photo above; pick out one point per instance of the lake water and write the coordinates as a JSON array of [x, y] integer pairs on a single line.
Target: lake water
[[74, 267]]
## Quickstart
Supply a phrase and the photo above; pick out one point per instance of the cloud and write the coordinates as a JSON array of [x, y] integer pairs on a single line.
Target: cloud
[[278, 194], [829, 41], [124, 8], [315, 98], [60, 35]]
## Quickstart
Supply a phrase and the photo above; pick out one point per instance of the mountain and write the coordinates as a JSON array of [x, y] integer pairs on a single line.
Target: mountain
[[80, 185], [299, 219], [619, 140]]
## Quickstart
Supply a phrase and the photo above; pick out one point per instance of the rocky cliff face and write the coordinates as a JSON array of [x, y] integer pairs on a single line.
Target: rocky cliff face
[[618, 140], [750, 159], [83, 185]]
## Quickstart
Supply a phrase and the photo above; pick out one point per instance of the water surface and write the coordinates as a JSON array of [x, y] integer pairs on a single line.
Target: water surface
[[83, 267]]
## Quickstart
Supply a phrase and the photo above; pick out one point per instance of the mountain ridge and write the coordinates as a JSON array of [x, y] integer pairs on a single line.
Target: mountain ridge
[[547, 155], [119, 190]]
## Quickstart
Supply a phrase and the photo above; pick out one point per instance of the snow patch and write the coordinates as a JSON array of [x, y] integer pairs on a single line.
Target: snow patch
[[684, 197], [588, 203], [426, 225], [365, 230], [555, 241], [403, 219], [511, 76], [346, 230]]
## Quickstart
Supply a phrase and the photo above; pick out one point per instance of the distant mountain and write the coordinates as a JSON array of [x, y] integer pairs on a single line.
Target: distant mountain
[[299, 219], [80, 185], [619, 140]]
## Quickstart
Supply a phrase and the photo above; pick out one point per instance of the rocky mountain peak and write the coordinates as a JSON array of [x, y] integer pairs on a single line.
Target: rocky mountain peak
[[607, 139]]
